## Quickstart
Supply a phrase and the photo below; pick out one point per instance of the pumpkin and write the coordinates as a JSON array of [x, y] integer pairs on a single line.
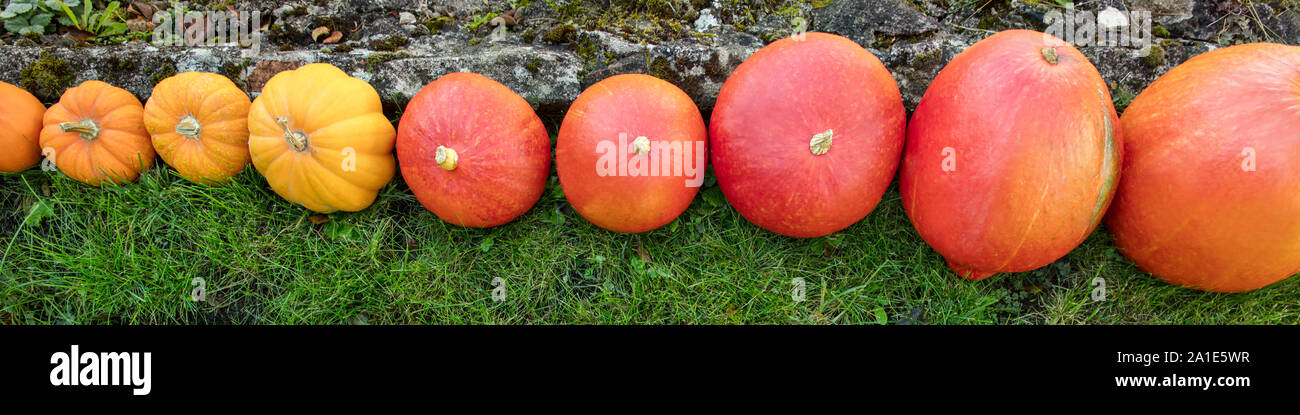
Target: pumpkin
[[95, 134], [321, 139], [806, 134], [473, 152], [20, 128], [1211, 191], [631, 153], [199, 125], [1012, 155]]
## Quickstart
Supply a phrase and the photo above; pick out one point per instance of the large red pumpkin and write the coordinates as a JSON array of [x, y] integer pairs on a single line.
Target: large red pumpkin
[[806, 135], [1012, 155], [1211, 191], [472, 151], [631, 153]]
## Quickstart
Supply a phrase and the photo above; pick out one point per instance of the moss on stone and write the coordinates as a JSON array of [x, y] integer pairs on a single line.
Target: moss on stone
[[236, 73], [927, 59], [391, 44], [379, 58], [342, 48], [586, 49], [283, 34], [662, 69], [48, 77], [119, 65], [561, 34], [1155, 57], [534, 65], [714, 68], [166, 70], [297, 12], [1160, 31], [436, 25]]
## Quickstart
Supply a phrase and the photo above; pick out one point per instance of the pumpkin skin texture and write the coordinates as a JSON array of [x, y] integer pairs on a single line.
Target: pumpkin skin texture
[[1211, 191], [786, 104], [495, 151], [95, 134], [617, 112], [199, 125], [20, 128], [321, 139], [1012, 155]]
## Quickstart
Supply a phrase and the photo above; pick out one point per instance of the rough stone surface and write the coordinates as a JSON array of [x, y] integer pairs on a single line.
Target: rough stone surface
[[401, 45]]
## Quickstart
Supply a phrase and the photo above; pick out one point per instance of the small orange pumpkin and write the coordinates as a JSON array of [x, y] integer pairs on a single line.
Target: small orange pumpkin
[[321, 139], [20, 128], [199, 124], [95, 134]]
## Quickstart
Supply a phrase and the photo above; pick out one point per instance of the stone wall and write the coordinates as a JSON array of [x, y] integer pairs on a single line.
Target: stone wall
[[549, 51]]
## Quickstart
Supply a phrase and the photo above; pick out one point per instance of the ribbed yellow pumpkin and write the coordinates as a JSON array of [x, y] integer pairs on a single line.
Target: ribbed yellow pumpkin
[[199, 125], [321, 139]]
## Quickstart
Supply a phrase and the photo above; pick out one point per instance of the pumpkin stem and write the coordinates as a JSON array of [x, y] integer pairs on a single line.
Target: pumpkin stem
[[446, 158], [189, 127], [820, 143], [86, 128], [297, 140], [1049, 55], [641, 145]]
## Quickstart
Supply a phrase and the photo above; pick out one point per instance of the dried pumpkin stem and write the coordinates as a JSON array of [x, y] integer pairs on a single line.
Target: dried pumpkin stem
[[297, 140], [1049, 55], [820, 143], [446, 158], [189, 127], [87, 129], [641, 145]]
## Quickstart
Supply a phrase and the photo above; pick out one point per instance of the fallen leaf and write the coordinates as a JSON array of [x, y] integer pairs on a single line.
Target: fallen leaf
[[79, 34], [334, 38], [641, 252], [144, 9], [318, 32], [318, 219]]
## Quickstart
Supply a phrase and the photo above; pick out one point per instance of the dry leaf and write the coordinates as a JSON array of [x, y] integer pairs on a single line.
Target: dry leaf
[[334, 38], [318, 32], [318, 219], [144, 9], [641, 252], [79, 34]]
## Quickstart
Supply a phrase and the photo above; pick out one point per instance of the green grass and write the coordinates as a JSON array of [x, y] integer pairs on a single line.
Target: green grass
[[128, 254]]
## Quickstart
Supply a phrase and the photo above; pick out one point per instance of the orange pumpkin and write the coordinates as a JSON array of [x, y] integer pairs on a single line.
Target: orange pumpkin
[[1208, 198], [95, 134], [20, 128], [321, 139], [631, 153], [199, 124]]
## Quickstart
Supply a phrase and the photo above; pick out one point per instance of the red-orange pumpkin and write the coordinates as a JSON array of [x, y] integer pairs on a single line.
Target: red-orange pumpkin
[[806, 135], [95, 134], [1211, 192], [1012, 155], [20, 128], [472, 151], [631, 153]]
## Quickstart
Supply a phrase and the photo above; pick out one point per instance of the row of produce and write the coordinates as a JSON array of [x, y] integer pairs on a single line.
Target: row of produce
[[1013, 157]]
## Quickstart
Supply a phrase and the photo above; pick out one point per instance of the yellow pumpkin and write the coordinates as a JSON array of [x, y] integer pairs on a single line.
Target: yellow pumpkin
[[199, 124], [95, 134], [20, 128], [321, 139]]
